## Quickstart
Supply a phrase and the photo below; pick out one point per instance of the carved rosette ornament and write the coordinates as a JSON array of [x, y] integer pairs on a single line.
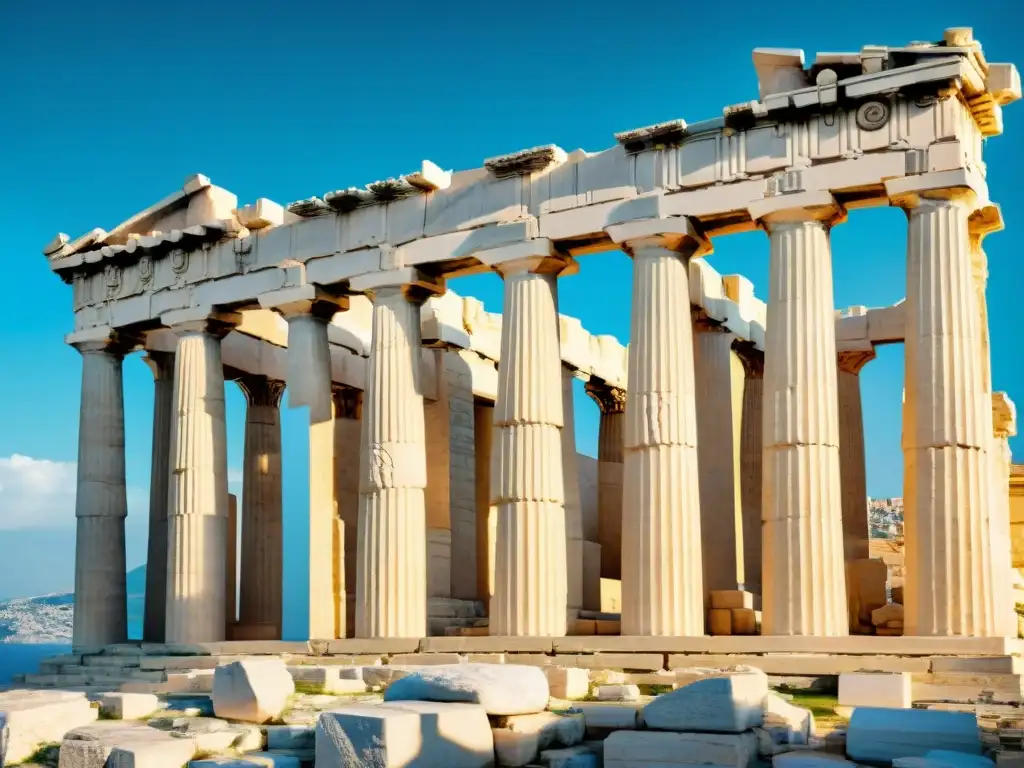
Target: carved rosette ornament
[[112, 279], [146, 269], [872, 115], [179, 266]]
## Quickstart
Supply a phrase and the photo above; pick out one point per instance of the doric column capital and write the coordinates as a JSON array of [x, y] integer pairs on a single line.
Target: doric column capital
[[417, 286], [796, 207], [348, 401], [538, 256], [1004, 416], [752, 359], [673, 233], [160, 363], [260, 391], [608, 398], [304, 300], [851, 361], [205, 319], [102, 339], [960, 186]]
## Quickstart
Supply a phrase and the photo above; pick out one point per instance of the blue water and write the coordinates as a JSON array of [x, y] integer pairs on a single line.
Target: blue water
[[15, 659]]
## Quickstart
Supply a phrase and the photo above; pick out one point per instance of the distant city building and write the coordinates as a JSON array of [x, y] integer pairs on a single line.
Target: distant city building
[[885, 517]]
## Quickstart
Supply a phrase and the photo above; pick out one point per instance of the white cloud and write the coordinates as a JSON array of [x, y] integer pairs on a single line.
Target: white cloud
[[36, 493], [40, 493]]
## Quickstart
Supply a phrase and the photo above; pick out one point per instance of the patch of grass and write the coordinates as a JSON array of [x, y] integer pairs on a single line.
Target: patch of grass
[[822, 706], [655, 689], [48, 755]]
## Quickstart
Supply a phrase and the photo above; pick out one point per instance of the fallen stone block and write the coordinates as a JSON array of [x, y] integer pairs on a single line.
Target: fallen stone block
[[746, 621], [885, 734], [617, 693], [383, 676], [734, 598], [720, 621], [501, 689], [91, 746], [128, 706], [609, 715], [572, 757], [411, 733], [261, 760], [729, 704], [568, 682], [875, 689], [810, 760], [254, 690], [629, 749], [211, 734], [194, 681], [29, 719], [794, 724], [163, 754], [941, 758], [290, 736], [328, 679], [519, 739]]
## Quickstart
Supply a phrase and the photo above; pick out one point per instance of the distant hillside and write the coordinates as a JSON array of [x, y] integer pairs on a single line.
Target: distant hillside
[[49, 618]]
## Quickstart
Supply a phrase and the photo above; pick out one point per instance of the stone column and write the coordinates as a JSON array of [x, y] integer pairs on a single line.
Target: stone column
[[751, 455], [612, 403], [391, 589], [1004, 426], [308, 310], [852, 472], [662, 579], [155, 611], [718, 376], [262, 539], [527, 483], [947, 423], [101, 607], [804, 580], [573, 504], [197, 505], [348, 409]]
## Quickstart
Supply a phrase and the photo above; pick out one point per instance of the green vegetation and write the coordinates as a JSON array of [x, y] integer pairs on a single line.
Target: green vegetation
[[47, 755], [822, 706]]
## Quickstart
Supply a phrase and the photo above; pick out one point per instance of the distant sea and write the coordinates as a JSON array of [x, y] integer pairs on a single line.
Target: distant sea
[[24, 658]]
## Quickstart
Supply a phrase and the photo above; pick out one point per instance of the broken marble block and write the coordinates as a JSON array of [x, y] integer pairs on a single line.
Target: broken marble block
[[333, 679], [260, 760], [405, 734], [943, 758], [210, 733], [719, 704], [568, 682], [882, 735], [128, 706], [29, 719], [252, 690], [634, 749], [617, 693], [91, 746], [519, 739], [570, 757], [787, 724], [501, 689], [810, 759], [875, 689], [151, 754]]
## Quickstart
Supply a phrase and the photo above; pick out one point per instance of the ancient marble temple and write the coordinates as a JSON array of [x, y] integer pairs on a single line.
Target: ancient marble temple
[[442, 460]]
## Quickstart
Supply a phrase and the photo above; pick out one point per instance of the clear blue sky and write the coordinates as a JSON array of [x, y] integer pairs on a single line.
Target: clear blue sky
[[107, 107]]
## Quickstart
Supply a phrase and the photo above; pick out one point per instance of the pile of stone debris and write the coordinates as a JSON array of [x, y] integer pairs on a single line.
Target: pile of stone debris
[[264, 714]]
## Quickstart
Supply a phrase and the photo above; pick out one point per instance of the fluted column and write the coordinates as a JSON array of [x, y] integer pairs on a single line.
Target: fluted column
[[662, 579], [852, 471], [197, 505], [155, 610], [612, 403], [101, 607], [947, 423], [718, 377], [803, 574], [573, 504], [1004, 426], [751, 458], [391, 577], [262, 540], [348, 408], [308, 310], [527, 481]]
